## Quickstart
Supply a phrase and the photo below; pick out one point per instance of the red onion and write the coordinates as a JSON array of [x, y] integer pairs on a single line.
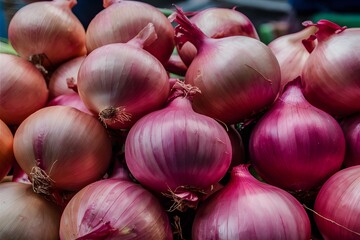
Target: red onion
[[64, 74], [114, 209], [291, 53], [23, 89], [122, 82], [121, 21], [238, 76], [351, 129], [292, 147], [6, 149], [178, 152], [331, 75], [249, 209], [218, 23], [49, 30], [25, 214], [62, 149], [337, 205], [72, 100]]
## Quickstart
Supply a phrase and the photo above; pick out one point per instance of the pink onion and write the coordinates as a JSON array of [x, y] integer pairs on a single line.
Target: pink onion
[[351, 128], [331, 75], [62, 149], [26, 215], [292, 147], [249, 209], [6, 150], [178, 152], [121, 21], [122, 82], [238, 76], [114, 209], [23, 89], [337, 205], [64, 74], [47, 30], [218, 22], [72, 100], [291, 54]]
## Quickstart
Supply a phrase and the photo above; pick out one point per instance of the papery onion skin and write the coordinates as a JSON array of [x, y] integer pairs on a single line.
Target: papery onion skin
[[66, 72], [68, 147], [337, 205], [6, 149], [26, 215], [23, 89], [331, 74], [238, 76], [292, 147], [124, 210], [48, 28], [120, 21], [249, 209], [351, 128], [218, 22], [72, 100]]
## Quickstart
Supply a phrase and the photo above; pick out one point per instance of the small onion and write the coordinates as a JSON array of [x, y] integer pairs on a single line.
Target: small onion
[[6, 150], [249, 209], [23, 89], [121, 21], [295, 145], [337, 205], [114, 209], [72, 100], [62, 149], [238, 76], [351, 128], [26, 215], [178, 152], [49, 30]]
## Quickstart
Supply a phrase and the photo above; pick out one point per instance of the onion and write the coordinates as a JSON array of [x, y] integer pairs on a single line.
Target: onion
[[331, 75], [337, 205], [114, 209], [6, 150], [238, 76], [47, 30], [122, 82], [249, 209], [64, 74], [351, 128], [72, 100], [291, 54], [23, 89], [218, 23], [121, 21], [292, 147], [25, 214], [62, 149], [178, 152], [238, 148]]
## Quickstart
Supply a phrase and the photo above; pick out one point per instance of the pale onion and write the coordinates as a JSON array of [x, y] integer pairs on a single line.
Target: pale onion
[[114, 209], [23, 89], [25, 214], [249, 209], [295, 145], [122, 82], [238, 76], [6, 149], [121, 21], [47, 31], [331, 75], [62, 149], [178, 152], [351, 128], [337, 205]]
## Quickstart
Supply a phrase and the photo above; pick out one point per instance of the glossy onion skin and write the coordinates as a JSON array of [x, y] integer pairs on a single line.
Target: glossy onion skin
[[339, 200], [130, 211], [249, 209]]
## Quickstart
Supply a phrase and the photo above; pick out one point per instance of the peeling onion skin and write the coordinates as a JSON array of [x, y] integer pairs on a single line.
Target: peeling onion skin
[[339, 201], [122, 209], [249, 209]]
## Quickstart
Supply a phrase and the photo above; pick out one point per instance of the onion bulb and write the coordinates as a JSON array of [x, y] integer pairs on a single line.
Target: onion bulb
[[6, 149]]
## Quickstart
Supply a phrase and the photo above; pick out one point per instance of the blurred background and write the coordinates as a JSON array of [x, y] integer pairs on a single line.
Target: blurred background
[[272, 18]]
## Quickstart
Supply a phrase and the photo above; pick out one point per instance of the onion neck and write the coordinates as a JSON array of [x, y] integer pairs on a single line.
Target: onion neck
[[326, 29], [241, 172], [107, 3], [180, 90], [145, 37], [293, 93]]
